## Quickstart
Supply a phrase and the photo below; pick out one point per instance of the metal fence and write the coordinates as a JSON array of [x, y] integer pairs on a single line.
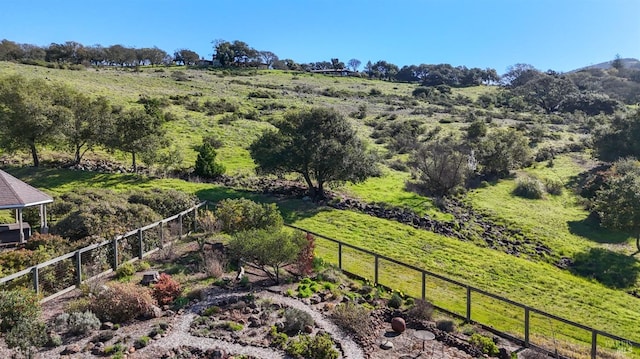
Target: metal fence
[[517, 321], [527, 325], [62, 274]]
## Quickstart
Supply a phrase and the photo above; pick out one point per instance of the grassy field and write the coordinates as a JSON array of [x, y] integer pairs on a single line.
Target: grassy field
[[560, 222]]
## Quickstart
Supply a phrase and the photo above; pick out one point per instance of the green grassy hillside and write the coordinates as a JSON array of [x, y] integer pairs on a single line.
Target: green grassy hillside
[[558, 221]]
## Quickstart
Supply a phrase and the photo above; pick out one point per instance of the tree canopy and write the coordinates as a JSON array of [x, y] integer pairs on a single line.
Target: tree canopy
[[618, 201], [319, 144]]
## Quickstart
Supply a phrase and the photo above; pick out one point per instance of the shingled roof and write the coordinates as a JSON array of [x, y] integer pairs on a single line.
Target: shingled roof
[[17, 194]]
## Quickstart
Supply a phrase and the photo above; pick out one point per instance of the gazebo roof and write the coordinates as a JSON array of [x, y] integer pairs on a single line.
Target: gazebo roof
[[17, 194]]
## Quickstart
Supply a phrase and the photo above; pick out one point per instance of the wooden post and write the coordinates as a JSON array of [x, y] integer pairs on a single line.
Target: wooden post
[[195, 219], [424, 285], [36, 285], [526, 327], [78, 268], [115, 253], [594, 344], [469, 304], [180, 225], [375, 270], [161, 234], [141, 243], [340, 255]]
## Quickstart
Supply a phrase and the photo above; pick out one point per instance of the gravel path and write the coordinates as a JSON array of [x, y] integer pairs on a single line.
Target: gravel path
[[180, 332]]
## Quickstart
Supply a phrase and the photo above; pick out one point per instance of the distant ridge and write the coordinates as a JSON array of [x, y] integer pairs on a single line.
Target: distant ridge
[[628, 63]]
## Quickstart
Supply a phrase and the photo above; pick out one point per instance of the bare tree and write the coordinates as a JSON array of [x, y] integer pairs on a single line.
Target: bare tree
[[354, 64]]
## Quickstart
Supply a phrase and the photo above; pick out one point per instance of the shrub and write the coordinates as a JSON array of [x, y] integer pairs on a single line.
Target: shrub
[[352, 318], [17, 306], [316, 347], [211, 311], [530, 188], [446, 325], [165, 202], [78, 305], [26, 335], [278, 340], [233, 326], [125, 270], [141, 342], [421, 310], [54, 340], [83, 322], [166, 290], [242, 214], [206, 165], [395, 301], [306, 256], [553, 187], [122, 302], [485, 344], [295, 320]]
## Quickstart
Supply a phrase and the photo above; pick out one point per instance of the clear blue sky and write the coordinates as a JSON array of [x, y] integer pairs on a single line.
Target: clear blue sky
[[549, 34]]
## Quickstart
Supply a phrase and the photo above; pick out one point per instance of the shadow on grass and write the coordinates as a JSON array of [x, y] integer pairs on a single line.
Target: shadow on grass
[[54, 178], [612, 269], [292, 209], [590, 228]]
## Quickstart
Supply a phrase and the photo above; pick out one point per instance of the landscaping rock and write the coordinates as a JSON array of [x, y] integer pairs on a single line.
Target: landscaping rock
[[71, 349], [398, 325], [150, 277], [106, 326], [308, 329], [386, 345]]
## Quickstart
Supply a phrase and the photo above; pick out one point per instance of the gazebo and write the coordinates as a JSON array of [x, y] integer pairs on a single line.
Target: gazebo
[[17, 195]]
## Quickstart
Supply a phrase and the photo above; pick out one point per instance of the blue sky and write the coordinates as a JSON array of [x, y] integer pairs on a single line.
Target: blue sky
[[549, 34]]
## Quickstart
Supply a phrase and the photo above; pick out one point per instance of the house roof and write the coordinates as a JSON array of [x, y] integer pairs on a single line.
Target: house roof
[[17, 194]]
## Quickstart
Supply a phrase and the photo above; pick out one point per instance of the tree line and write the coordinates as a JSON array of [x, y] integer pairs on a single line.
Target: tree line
[[35, 113]]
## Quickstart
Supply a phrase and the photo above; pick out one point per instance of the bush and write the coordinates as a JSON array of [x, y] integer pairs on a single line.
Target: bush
[[18, 306], [421, 310], [242, 214], [166, 290], [141, 342], [530, 188], [352, 318], [446, 325], [316, 347], [122, 302], [83, 323], [295, 320], [278, 340], [485, 344], [395, 301], [26, 335], [125, 270], [166, 202], [553, 187], [206, 165]]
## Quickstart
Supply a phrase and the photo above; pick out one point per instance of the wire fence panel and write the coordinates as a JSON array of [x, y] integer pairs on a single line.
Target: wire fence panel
[[400, 278], [504, 317], [446, 295]]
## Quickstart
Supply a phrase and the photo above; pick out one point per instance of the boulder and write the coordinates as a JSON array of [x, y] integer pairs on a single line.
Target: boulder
[[398, 325], [71, 349], [386, 345]]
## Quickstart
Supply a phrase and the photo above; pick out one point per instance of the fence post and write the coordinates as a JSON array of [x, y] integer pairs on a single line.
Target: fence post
[[526, 327], [36, 285], [141, 243], [340, 255], [115, 253], [468, 304], [195, 219], [375, 270], [424, 285], [180, 225], [78, 268], [594, 344], [161, 226]]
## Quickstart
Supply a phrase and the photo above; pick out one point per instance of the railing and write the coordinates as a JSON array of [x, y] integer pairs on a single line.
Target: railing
[[456, 298], [62, 274], [448, 295]]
